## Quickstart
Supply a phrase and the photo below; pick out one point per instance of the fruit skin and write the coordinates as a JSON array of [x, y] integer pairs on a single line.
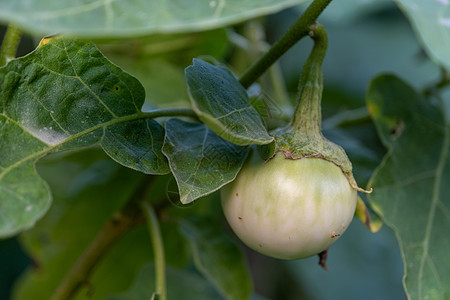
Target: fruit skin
[[289, 209]]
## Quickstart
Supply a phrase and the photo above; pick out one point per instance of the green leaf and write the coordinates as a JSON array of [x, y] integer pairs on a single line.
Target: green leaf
[[117, 18], [218, 257], [222, 104], [431, 21], [66, 95], [201, 161], [137, 145], [411, 185], [181, 284]]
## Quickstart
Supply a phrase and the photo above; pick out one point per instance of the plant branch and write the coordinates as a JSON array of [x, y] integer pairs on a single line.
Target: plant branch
[[120, 222], [10, 44], [299, 30], [158, 249]]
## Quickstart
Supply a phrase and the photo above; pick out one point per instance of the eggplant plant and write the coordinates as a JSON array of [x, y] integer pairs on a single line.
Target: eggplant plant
[[194, 150]]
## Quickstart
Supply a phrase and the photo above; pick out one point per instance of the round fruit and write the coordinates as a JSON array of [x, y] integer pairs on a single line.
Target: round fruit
[[289, 209]]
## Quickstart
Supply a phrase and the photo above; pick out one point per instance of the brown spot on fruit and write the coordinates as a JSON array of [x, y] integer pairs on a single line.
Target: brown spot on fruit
[[333, 234]]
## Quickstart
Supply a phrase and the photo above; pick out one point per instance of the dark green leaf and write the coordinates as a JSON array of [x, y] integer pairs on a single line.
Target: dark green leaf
[[222, 104], [201, 161], [431, 20], [66, 95], [411, 185], [218, 257], [137, 145], [180, 285], [132, 17]]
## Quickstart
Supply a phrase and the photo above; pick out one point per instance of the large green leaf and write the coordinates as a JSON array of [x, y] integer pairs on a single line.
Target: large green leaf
[[201, 161], [431, 20], [67, 95], [132, 17], [181, 284], [222, 103], [411, 185], [217, 256]]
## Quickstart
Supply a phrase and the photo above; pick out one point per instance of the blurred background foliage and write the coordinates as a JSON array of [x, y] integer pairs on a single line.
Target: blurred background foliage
[[365, 39]]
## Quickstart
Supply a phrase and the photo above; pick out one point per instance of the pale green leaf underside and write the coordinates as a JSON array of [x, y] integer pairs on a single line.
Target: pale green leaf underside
[[223, 105], [201, 161], [411, 190], [218, 257], [431, 20], [67, 95], [115, 18]]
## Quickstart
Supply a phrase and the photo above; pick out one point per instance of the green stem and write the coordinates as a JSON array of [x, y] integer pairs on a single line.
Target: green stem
[[170, 112], [10, 44], [120, 223], [308, 114], [158, 249], [299, 30]]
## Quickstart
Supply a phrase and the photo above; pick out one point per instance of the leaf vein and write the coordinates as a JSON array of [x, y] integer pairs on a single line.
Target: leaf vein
[[48, 110], [73, 137], [86, 86], [54, 14], [434, 203]]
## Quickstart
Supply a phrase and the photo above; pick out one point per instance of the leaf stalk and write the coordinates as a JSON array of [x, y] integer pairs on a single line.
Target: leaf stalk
[[170, 112]]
